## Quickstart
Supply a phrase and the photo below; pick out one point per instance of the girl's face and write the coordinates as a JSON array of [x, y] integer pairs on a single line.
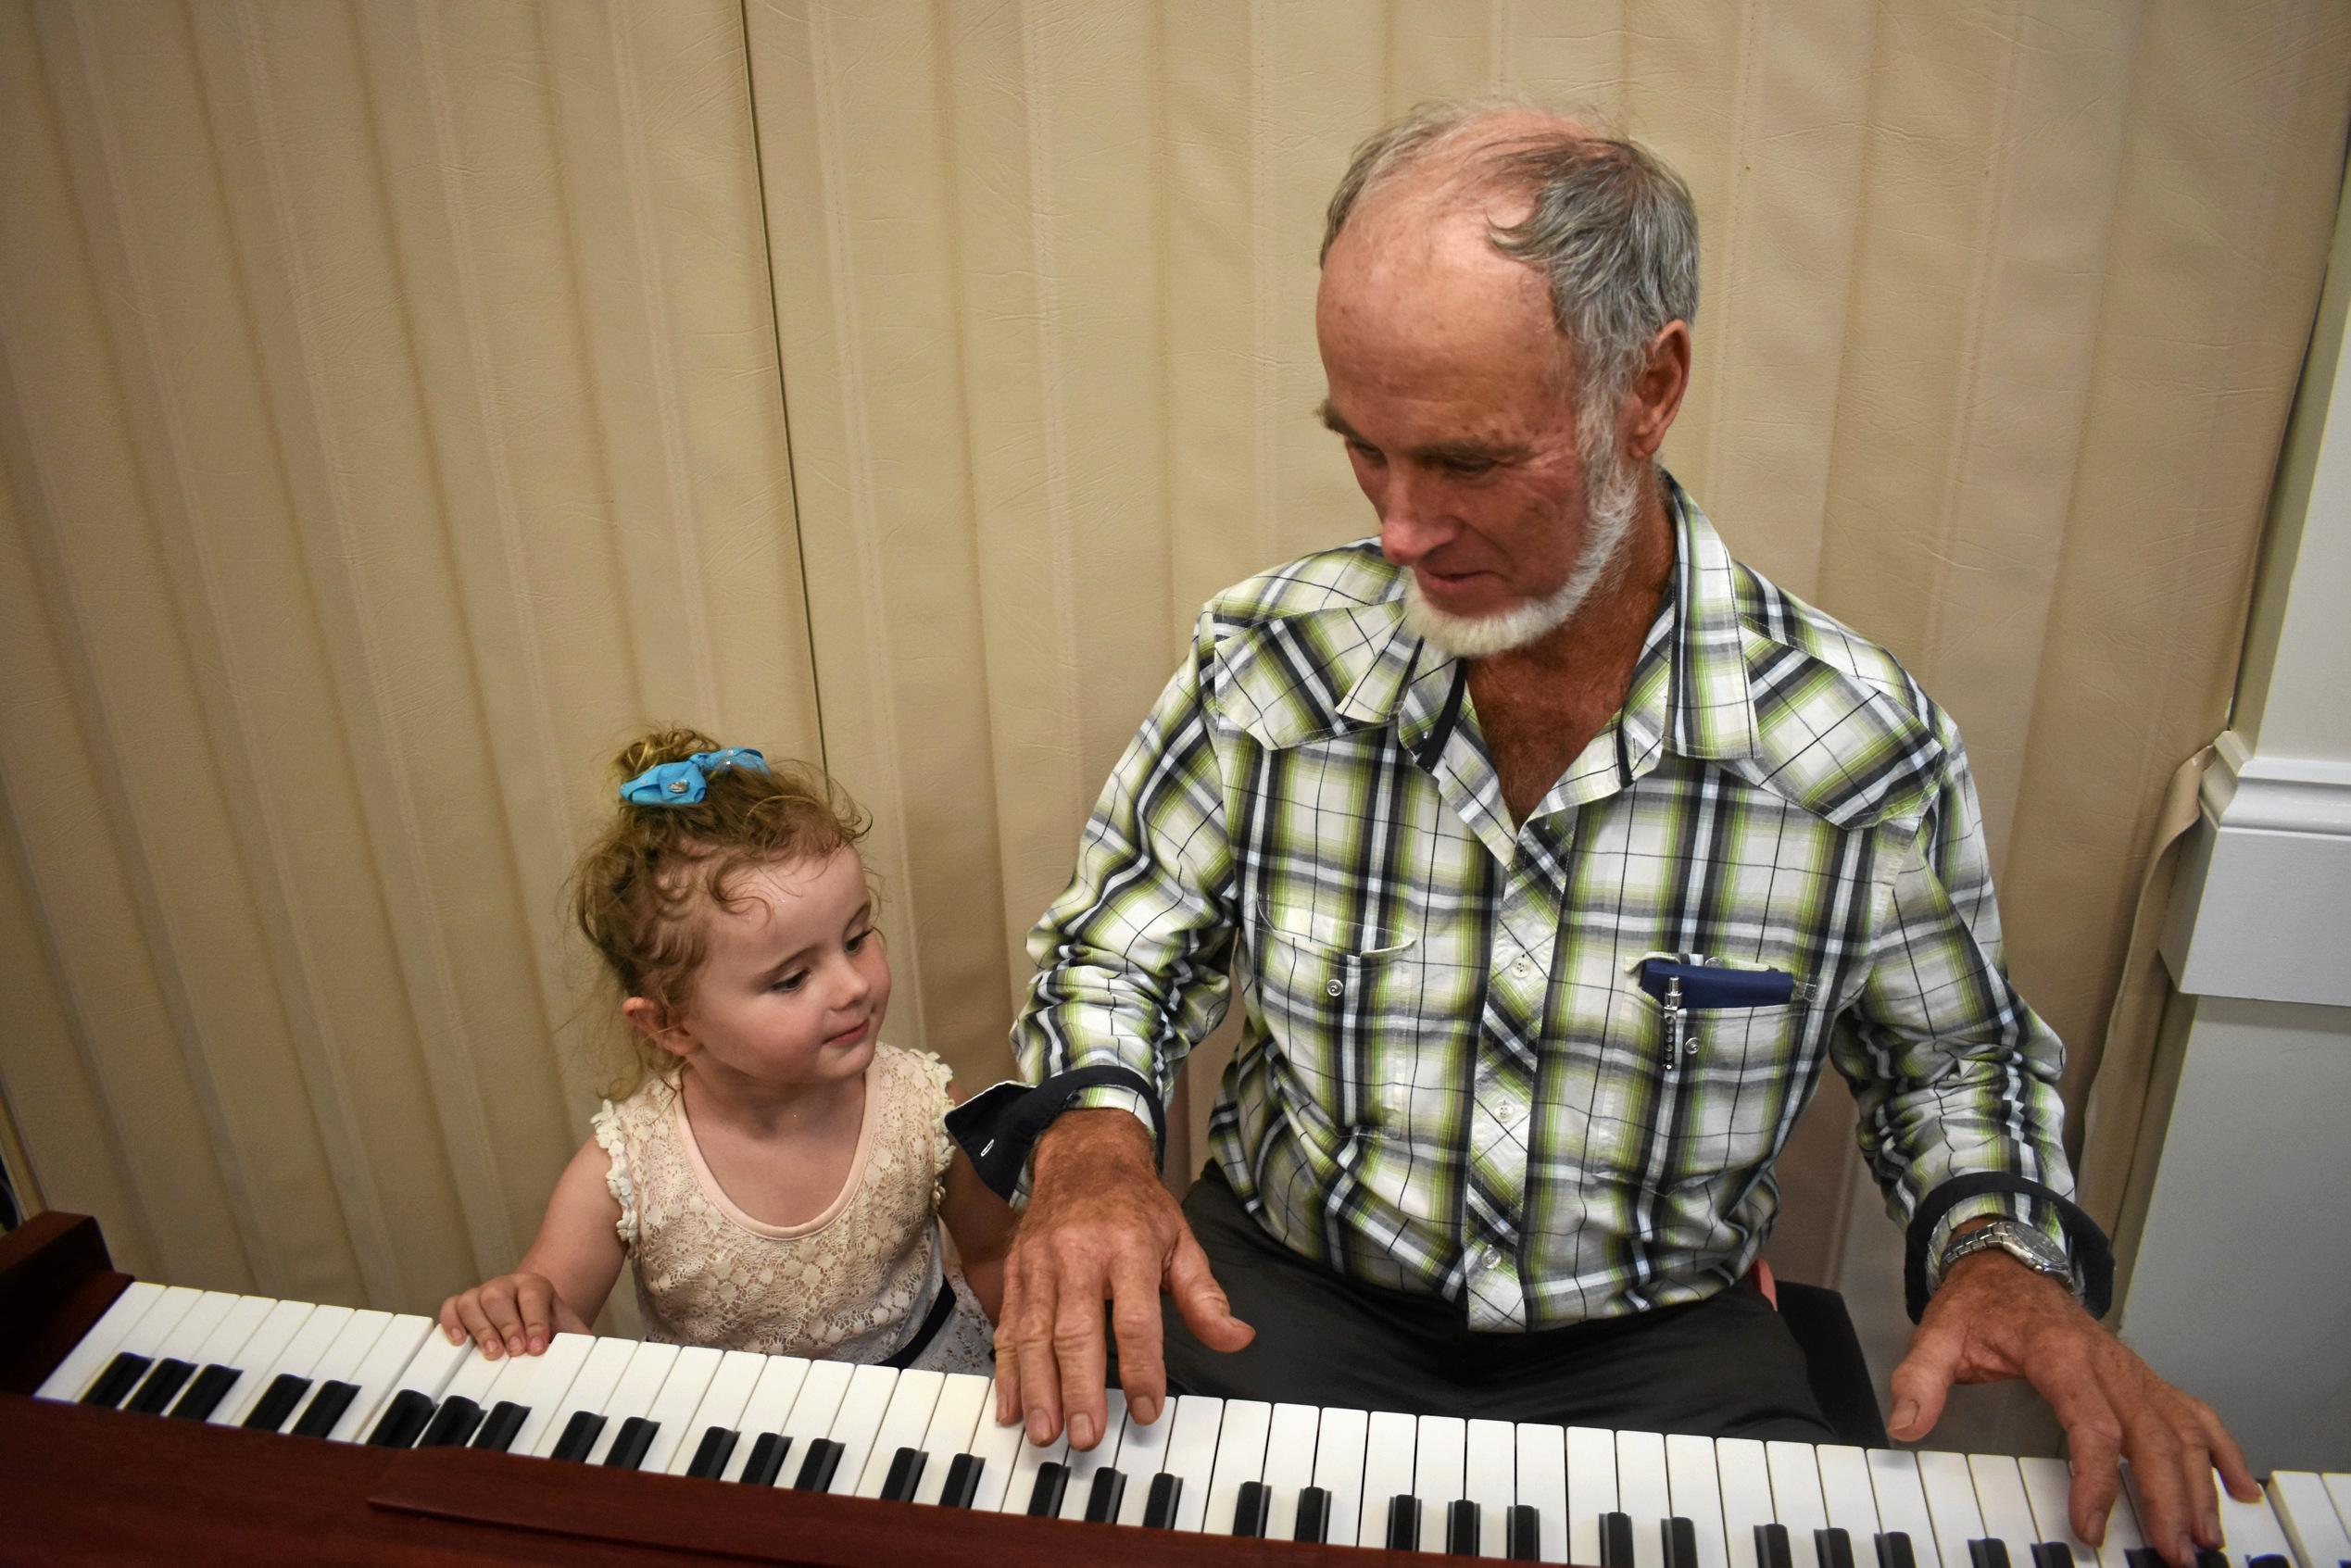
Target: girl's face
[[794, 983]]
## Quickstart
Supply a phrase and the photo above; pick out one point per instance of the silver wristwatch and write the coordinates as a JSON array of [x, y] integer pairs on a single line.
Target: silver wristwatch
[[2027, 1245]]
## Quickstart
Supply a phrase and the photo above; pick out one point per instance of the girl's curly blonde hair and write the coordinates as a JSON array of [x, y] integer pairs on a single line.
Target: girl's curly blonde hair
[[642, 884]]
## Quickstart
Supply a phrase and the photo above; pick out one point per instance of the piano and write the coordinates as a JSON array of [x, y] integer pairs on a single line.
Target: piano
[[141, 1420]]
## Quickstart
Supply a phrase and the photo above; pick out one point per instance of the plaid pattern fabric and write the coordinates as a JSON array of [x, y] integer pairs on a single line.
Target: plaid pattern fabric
[[1449, 1078]]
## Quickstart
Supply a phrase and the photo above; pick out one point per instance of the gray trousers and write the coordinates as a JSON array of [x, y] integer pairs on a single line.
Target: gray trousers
[[1724, 1367]]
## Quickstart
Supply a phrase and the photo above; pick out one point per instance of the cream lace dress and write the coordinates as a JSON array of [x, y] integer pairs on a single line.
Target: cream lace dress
[[853, 1283]]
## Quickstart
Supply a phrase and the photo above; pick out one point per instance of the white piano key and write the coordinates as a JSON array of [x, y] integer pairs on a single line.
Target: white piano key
[[474, 1377], [185, 1339], [1101, 1456], [342, 1360], [966, 1402], [1950, 1501], [765, 1411], [722, 1401], [1143, 1454], [2248, 1530], [1542, 1483], [904, 1420], [1902, 1504], [597, 1376], [672, 1411], [298, 1357], [2320, 1537], [2000, 1498], [1643, 1493], [819, 1400], [1388, 1445], [1796, 1498], [1341, 1444], [235, 1330], [2339, 1490], [1026, 1461], [1746, 1497], [1440, 1454], [1490, 1480], [1591, 1490], [863, 1404], [90, 1356], [1240, 1457], [2048, 1485], [1289, 1466], [1845, 1493], [1191, 1454], [639, 1386], [377, 1378], [538, 1384], [262, 1349], [998, 1448], [1697, 1495]]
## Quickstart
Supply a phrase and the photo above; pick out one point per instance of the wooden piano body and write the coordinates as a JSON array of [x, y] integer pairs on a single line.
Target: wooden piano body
[[96, 1485]]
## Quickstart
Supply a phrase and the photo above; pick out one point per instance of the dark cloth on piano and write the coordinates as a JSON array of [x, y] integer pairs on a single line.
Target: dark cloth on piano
[[1724, 1367]]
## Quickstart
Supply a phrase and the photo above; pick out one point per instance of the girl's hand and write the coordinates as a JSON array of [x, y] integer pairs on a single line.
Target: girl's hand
[[512, 1314]]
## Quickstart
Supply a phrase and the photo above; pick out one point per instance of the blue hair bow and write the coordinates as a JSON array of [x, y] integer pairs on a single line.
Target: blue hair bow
[[683, 784]]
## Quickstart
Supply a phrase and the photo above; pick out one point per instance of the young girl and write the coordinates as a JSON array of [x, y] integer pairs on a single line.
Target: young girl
[[774, 1174]]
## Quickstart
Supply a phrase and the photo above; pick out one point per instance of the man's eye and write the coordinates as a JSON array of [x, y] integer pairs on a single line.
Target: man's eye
[[1469, 468], [1369, 454]]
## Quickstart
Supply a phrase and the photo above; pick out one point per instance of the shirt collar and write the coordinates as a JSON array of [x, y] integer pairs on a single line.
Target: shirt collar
[[1690, 688]]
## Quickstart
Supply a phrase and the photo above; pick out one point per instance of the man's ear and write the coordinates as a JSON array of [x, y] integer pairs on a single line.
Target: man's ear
[[657, 1024], [1654, 397]]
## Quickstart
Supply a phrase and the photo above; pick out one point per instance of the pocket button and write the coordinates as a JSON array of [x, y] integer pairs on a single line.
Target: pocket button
[[1335, 988]]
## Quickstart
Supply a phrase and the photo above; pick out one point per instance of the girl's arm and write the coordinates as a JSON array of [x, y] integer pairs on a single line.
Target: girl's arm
[[561, 1282], [981, 1223]]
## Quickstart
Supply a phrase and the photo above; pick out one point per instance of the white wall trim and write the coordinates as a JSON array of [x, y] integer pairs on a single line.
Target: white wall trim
[[2279, 793]]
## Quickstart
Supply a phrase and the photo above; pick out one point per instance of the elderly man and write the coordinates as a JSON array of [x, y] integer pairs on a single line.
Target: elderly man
[[1555, 853]]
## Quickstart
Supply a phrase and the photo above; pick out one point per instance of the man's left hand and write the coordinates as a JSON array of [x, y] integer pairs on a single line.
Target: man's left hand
[[1992, 1318]]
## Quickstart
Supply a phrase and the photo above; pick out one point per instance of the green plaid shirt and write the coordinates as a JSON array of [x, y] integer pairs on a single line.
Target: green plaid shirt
[[1449, 1079]]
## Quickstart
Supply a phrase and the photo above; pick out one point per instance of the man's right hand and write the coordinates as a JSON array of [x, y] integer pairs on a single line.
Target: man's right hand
[[1100, 1227]]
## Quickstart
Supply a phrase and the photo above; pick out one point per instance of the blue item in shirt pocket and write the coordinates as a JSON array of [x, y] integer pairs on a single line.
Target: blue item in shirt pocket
[[1707, 986]]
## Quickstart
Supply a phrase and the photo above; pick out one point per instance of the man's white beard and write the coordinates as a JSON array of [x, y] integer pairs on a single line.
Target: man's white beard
[[1612, 498]]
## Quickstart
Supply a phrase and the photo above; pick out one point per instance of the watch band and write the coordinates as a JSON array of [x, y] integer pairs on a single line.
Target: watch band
[[2092, 1256], [2022, 1242]]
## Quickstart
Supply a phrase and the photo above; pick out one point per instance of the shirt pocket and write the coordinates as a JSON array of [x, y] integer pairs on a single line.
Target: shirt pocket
[[1329, 993], [1724, 1101]]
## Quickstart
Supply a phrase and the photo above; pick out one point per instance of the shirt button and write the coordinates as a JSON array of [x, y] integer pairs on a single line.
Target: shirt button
[[1521, 968], [1335, 988]]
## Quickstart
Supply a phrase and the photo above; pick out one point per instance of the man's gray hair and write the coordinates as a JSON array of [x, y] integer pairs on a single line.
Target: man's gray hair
[[1610, 227]]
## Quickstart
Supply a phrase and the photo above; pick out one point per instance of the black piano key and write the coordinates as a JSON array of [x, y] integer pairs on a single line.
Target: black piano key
[[162, 1381], [712, 1452], [1253, 1510], [1616, 1540], [1680, 1539], [1403, 1523], [1313, 1516], [122, 1375], [630, 1443], [1045, 1497], [963, 1481], [277, 1402], [1460, 1528], [1833, 1545], [1894, 1549], [452, 1425], [2266, 1559], [767, 1459], [403, 1421], [1987, 1552], [816, 1470], [2144, 1557], [1159, 1509], [579, 1436], [204, 1396], [1523, 1530], [1109, 1491], [1772, 1549], [501, 1426], [2057, 1554], [905, 1477], [2208, 1558], [326, 1408]]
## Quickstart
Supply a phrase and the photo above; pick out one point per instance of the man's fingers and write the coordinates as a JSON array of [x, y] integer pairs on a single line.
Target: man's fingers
[[1078, 1360], [1032, 1344], [1207, 1310], [1143, 1350], [2167, 1513], [1008, 1352], [2094, 1438], [2226, 1455], [1922, 1381], [535, 1302]]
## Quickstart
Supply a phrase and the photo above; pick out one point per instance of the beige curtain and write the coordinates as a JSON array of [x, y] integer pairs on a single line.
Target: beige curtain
[[395, 412]]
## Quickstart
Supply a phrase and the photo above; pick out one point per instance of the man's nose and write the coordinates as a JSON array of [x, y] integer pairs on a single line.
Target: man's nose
[[1412, 520]]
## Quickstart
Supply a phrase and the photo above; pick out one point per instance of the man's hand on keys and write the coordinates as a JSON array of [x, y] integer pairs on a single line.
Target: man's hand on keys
[[1100, 1227], [1992, 1318]]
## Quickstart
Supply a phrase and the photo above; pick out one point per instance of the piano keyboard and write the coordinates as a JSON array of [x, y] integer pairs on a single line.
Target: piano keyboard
[[1486, 1488]]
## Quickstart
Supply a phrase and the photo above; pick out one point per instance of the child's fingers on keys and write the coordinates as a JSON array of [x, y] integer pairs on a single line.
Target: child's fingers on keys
[[477, 1323], [449, 1323], [535, 1298]]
